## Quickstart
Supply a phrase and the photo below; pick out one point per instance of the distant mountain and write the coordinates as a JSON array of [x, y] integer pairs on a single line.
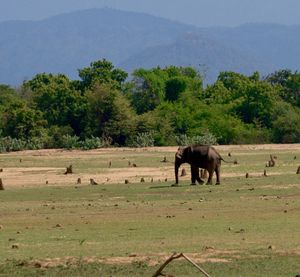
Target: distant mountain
[[271, 43], [65, 43], [209, 56]]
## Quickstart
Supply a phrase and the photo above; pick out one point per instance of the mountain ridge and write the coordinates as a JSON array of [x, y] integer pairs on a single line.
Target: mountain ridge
[[67, 42]]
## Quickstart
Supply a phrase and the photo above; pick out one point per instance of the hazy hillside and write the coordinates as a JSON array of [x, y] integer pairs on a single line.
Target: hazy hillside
[[67, 42], [194, 49], [271, 43]]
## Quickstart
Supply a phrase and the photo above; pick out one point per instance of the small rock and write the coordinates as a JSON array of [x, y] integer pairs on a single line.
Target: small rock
[[15, 246]]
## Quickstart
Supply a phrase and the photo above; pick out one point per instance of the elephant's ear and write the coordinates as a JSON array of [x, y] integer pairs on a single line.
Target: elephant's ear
[[179, 152]]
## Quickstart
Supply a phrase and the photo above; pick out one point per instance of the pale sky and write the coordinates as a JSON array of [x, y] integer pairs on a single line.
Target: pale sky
[[201, 13]]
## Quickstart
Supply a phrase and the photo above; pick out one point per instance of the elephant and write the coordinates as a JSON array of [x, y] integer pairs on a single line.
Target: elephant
[[199, 156]]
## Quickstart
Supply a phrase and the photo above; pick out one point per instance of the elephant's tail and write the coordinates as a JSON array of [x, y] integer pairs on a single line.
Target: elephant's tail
[[229, 162]]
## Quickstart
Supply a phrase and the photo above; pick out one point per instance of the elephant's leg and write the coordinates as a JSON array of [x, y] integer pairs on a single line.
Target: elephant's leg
[[193, 175], [210, 175], [198, 179], [218, 182]]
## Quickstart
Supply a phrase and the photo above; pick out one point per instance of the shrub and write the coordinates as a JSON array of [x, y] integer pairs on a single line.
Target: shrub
[[70, 142], [92, 143], [143, 140], [206, 139]]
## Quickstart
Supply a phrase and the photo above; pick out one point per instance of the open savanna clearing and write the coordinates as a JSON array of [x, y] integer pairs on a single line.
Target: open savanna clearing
[[52, 225]]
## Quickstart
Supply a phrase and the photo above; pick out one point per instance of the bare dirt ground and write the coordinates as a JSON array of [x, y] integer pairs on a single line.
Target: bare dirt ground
[[42, 176], [153, 259]]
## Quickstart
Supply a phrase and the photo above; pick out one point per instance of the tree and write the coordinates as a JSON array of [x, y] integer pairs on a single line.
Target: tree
[[291, 92], [174, 87], [286, 123], [21, 121], [279, 77], [109, 114], [56, 97], [101, 71], [148, 89]]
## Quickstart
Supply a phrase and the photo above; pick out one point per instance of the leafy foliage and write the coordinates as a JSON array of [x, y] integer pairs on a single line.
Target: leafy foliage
[[158, 106]]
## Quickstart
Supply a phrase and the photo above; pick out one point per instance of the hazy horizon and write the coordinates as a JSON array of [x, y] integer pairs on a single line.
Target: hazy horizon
[[201, 13]]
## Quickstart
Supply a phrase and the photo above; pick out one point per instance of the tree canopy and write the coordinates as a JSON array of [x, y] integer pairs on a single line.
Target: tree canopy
[[158, 105]]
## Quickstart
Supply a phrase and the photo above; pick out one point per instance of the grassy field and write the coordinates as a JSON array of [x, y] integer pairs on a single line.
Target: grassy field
[[52, 226]]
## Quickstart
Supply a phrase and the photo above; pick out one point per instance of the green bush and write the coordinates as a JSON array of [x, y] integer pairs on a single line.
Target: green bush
[[206, 139], [143, 140], [95, 142], [70, 142], [35, 143], [8, 144]]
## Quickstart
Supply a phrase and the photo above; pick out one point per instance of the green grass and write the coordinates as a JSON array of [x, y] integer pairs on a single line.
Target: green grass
[[239, 220]]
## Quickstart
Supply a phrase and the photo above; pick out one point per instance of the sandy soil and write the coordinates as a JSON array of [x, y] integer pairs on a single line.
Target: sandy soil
[[42, 176]]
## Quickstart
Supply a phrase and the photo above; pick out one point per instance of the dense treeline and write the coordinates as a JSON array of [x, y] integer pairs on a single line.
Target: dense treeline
[[160, 106]]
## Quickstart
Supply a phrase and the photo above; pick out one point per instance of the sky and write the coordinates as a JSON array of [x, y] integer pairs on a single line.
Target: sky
[[202, 13]]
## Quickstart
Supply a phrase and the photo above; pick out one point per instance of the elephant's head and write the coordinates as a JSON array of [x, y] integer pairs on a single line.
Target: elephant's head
[[180, 158]]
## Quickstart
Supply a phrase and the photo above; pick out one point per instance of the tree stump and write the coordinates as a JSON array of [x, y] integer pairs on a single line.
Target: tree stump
[[92, 182], [271, 162], [1, 185], [164, 160], [183, 172], [265, 173], [1, 169], [229, 154], [69, 170], [298, 170], [134, 165], [142, 180], [247, 175], [126, 181], [235, 162], [109, 164], [79, 181]]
